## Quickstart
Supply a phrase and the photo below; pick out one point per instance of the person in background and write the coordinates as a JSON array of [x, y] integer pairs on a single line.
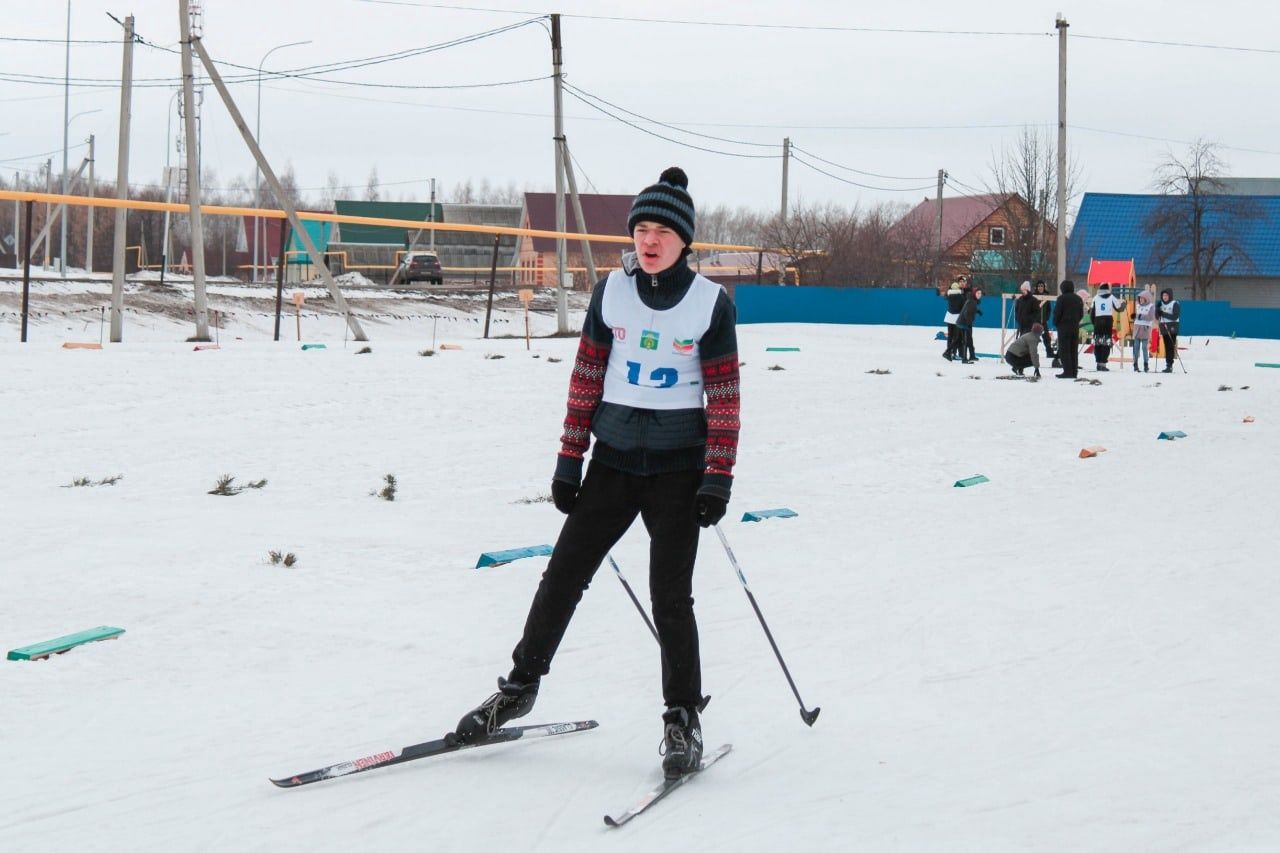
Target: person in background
[[1046, 312], [1143, 316], [1168, 315], [1067, 313], [1026, 309], [964, 323], [1102, 312], [955, 301], [1025, 351]]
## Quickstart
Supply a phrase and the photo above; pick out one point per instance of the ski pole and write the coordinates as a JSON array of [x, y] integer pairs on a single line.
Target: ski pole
[[706, 700], [808, 716], [645, 616], [1178, 356]]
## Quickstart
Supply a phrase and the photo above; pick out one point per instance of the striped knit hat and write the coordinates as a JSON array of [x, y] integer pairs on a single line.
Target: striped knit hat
[[667, 202]]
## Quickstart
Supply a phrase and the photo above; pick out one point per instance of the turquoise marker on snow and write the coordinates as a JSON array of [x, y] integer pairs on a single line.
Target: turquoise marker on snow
[[499, 558], [58, 645], [762, 514]]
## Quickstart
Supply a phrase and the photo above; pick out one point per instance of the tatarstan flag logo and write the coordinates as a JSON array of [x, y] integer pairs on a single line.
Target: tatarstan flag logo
[[649, 340], [683, 347]]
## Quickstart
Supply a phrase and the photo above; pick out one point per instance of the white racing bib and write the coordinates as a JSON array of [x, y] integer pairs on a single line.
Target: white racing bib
[[655, 361]]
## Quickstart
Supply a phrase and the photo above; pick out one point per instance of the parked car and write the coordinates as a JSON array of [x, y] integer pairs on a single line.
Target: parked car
[[421, 266]]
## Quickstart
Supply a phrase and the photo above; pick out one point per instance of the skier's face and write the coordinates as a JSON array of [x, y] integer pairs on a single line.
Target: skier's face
[[657, 246]]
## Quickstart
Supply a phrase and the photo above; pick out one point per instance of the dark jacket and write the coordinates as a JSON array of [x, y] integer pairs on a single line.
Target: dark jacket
[[1026, 311], [1068, 311], [955, 300], [1046, 311], [969, 311]]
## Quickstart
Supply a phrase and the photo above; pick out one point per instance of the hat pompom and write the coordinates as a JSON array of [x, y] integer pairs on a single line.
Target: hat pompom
[[675, 176]]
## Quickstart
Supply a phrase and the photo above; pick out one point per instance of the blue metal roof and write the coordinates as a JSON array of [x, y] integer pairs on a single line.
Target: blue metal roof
[[1112, 226]]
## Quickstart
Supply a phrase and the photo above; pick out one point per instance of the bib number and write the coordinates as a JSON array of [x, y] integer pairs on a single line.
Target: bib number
[[665, 377]]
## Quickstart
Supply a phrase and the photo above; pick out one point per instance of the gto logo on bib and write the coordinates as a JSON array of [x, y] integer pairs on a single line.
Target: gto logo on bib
[[649, 340], [682, 347]]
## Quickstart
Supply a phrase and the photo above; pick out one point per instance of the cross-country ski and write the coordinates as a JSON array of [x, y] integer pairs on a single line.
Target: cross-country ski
[[428, 749], [665, 787]]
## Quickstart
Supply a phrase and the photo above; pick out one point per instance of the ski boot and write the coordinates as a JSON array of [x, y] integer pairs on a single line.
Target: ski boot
[[681, 742], [513, 699]]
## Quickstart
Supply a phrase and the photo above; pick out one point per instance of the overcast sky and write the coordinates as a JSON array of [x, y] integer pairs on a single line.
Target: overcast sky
[[899, 105]]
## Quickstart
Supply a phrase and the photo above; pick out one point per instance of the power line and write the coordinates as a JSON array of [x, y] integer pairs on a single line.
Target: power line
[[727, 24], [632, 124], [310, 72], [795, 147], [42, 154], [313, 71], [1197, 45], [1164, 139], [667, 125], [590, 184], [58, 41], [950, 179], [820, 170]]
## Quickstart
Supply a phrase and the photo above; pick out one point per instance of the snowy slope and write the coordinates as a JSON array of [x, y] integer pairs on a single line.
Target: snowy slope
[[1078, 655]]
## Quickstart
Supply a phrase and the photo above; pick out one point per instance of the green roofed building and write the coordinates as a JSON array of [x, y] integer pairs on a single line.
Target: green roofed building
[[376, 250], [383, 235]]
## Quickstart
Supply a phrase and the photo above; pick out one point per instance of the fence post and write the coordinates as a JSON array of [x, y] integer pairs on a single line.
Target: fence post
[[493, 274], [284, 241], [26, 272]]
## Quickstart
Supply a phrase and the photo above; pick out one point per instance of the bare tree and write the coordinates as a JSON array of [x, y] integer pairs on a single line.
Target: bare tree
[[1025, 175], [838, 246], [371, 192], [333, 190], [1198, 229]]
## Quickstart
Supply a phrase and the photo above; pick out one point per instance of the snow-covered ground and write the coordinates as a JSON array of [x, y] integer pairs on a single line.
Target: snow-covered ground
[[1080, 654]]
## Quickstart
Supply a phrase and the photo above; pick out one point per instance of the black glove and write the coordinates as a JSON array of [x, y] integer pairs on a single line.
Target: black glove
[[565, 495], [710, 509]]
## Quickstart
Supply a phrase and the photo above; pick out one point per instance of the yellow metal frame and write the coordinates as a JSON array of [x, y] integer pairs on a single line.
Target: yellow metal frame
[[315, 216]]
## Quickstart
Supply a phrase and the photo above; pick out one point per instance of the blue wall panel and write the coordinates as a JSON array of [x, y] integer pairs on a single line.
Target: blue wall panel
[[879, 306]]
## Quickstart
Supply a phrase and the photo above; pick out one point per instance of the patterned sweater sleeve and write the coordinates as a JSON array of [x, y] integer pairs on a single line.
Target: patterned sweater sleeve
[[719, 351], [586, 388]]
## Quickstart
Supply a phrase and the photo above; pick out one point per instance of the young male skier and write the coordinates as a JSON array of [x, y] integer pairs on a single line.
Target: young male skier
[[656, 382]]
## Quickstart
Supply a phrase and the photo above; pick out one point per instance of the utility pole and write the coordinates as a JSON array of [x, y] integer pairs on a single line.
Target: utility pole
[[304, 237], [1062, 25], [786, 161], [48, 208], [562, 299], [122, 188], [431, 215], [942, 179], [589, 258], [66, 128], [17, 262], [88, 237], [193, 175]]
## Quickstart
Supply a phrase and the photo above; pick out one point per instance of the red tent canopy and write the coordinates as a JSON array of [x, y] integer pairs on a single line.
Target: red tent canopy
[[1123, 273]]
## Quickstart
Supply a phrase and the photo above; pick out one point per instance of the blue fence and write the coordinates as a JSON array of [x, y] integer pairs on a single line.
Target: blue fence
[[878, 306]]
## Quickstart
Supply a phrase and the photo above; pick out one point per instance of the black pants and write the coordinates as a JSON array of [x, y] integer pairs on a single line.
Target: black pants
[[1018, 362], [964, 342], [1102, 340], [1169, 337], [608, 503], [1069, 351], [951, 341]]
